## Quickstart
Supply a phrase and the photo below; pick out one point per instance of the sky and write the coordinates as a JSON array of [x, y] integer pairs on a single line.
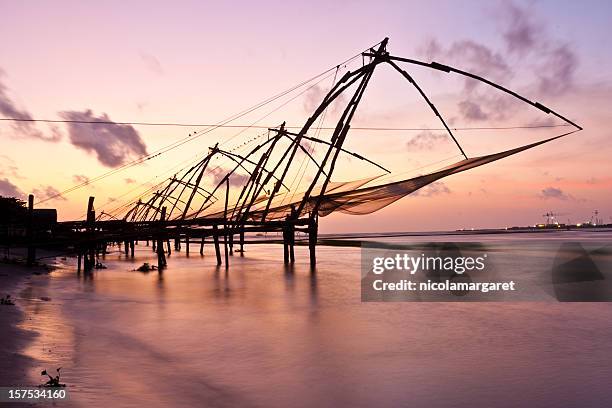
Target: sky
[[200, 62]]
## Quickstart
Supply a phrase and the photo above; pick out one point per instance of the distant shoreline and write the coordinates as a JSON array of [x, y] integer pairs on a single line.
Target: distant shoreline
[[349, 239]]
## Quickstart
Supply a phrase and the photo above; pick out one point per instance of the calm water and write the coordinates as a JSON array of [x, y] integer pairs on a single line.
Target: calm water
[[264, 335]]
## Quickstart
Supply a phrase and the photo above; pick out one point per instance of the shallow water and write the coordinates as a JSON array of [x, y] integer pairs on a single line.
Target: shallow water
[[265, 335]]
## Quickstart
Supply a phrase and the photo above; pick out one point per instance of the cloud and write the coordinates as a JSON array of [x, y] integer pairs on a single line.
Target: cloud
[[314, 97], [79, 178], [129, 180], [555, 193], [472, 111], [552, 63], [152, 63], [8, 189], [9, 109], [235, 180], [426, 140], [113, 144], [556, 75], [521, 33], [475, 57], [46, 192], [433, 189], [8, 167]]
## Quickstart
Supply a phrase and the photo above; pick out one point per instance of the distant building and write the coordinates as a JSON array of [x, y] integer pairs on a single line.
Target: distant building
[[44, 217]]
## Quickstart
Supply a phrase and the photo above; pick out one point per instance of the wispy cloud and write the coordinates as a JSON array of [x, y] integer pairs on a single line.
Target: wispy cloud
[[314, 97], [8, 167], [113, 144], [152, 63], [426, 140], [9, 109], [434, 189], [79, 178], [552, 63], [235, 180], [8, 189], [48, 192], [555, 193]]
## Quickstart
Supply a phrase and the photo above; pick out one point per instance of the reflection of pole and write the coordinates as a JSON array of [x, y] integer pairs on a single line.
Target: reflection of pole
[[29, 232]]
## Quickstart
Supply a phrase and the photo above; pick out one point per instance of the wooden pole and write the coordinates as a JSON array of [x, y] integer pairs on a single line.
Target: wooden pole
[[312, 240], [202, 246], [161, 258], [90, 255], [216, 242], [291, 238], [29, 232], [285, 245], [225, 227], [187, 244], [241, 241]]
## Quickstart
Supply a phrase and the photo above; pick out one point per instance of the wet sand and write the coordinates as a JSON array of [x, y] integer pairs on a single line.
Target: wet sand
[[15, 367]]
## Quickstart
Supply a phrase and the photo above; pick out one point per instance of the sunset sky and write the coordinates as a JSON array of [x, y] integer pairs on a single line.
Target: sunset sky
[[200, 62]]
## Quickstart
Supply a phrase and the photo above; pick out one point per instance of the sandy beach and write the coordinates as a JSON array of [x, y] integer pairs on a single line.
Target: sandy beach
[[14, 366]]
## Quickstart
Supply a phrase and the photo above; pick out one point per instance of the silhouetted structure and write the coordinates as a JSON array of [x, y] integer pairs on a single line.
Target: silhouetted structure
[[186, 209]]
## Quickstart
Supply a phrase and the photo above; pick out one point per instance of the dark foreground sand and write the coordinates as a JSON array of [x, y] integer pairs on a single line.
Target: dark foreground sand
[[14, 366]]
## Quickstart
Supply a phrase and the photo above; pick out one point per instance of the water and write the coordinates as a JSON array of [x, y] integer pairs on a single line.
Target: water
[[265, 335]]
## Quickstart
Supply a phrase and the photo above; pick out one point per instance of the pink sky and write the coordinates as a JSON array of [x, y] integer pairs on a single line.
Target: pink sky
[[200, 62]]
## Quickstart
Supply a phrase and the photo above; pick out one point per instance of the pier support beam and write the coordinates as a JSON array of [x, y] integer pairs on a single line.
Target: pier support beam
[[216, 242], [285, 245], [312, 241], [161, 257], [30, 232]]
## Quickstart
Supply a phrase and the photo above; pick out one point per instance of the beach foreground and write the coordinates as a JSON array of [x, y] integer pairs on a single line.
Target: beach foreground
[[262, 334]]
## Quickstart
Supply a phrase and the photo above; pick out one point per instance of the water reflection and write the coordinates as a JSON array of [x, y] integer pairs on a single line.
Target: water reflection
[[262, 334]]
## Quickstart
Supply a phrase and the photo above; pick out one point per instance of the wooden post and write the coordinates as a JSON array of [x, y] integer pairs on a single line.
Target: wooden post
[[202, 246], [90, 251], [132, 248], [285, 245], [29, 232], [169, 250], [312, 241], [225, 227], [161, 258], [187, 244], [216, 242], [79, 256], [126, 247], [291, 238]]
